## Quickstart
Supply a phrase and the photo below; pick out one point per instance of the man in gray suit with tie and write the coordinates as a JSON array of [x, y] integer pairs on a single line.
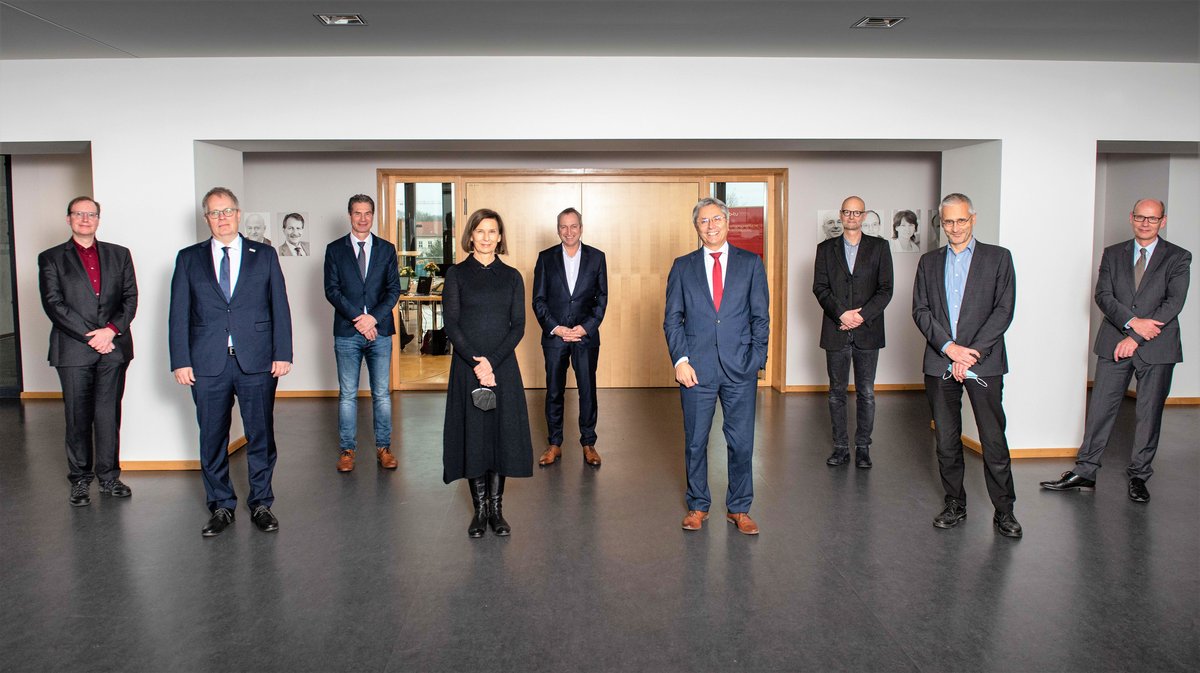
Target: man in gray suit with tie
[[1140, 290], [963, 300]]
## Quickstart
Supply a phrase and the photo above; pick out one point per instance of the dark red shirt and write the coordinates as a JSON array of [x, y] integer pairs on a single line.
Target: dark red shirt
[[91, 264]]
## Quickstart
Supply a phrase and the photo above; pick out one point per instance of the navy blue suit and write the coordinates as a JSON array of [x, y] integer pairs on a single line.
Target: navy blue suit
[[200, 324], [726, 348], [350, 293], [556, 305]]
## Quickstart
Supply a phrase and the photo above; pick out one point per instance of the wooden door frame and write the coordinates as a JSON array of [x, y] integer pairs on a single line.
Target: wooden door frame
[[775, 233]]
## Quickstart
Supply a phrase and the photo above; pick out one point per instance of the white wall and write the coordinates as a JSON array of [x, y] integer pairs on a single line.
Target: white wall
[[1183, 228], [146, 116], [42, 187]]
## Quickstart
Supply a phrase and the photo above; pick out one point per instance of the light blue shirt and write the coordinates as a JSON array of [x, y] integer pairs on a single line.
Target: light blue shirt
[[1137, 247], [851, 251], [958, 267]]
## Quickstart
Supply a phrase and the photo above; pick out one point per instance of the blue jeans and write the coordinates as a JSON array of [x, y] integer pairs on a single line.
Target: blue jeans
[[351, 351]]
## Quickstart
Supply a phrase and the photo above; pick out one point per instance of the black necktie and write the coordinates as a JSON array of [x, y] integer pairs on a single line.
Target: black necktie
[[223, 278], [362, 259]]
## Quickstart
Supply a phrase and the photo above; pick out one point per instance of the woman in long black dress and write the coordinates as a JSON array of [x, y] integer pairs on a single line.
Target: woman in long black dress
[[483, 304]]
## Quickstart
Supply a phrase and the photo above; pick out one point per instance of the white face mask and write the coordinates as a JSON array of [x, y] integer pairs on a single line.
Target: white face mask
[[970, 375]]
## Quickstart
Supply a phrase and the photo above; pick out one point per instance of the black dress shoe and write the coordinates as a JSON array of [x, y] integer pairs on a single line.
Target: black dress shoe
[[116, 488], [264, 519], [951, 516], [1006, 524], [79, 494], [862, 457], [222, 517], [1069, 481], [1138, 491], [838, 457]]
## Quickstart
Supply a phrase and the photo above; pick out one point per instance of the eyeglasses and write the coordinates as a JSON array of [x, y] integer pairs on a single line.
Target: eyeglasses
[[85, 215], [715, 220], [853, 213], [953, 224], [1146, 218], [217, 214]]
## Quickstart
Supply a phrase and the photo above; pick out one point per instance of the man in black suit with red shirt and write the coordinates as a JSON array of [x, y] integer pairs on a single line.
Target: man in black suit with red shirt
[[89, 291]]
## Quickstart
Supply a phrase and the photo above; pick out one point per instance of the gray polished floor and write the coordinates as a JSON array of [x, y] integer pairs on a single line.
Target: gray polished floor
[[373, 571]]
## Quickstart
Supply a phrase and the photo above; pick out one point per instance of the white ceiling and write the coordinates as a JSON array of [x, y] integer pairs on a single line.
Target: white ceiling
[[1085, 30]]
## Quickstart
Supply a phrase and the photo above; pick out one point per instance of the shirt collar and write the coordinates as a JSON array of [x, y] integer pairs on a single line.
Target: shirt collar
[[80, 248], [724, 250], [970, 248], [578, 252], [234, 246], [1149, 248]]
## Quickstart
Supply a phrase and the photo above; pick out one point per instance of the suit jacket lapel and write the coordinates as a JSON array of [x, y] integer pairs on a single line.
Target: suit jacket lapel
[[1160, 253], [939, 292], [1125, 270], [72, 260], [108, 265], [840, 254]]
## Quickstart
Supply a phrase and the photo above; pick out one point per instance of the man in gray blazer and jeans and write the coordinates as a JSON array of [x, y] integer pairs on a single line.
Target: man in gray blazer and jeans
[[963, 300], [1140, 290]]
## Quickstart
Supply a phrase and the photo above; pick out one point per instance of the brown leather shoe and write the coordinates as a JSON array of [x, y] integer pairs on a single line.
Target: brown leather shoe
[[386, 460], [346, 461], [694, 519], [590, 456], [550, 456], [744, 523]]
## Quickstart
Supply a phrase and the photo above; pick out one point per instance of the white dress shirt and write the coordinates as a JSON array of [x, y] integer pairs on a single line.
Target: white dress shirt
[[571, 264]]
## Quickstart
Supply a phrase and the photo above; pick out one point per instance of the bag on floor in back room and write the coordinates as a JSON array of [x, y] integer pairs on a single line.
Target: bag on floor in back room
[[435, 343]]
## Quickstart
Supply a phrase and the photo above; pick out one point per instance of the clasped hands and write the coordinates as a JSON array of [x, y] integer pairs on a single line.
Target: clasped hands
[[570, 334], [1145, 328], [483, 372], [961, 359], [367, 326], [851, 319], [101, 340]]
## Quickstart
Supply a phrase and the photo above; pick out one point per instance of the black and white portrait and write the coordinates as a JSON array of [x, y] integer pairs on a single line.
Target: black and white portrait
[[871, 225], [255, 227], [906, 234], [829, 225], [295, 235]]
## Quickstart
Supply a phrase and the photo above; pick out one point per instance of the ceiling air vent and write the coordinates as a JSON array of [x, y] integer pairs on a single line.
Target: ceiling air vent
[[878, 21], [341, 19]]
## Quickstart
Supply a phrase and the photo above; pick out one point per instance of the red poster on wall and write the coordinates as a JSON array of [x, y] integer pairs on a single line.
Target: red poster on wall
[[746, 228]]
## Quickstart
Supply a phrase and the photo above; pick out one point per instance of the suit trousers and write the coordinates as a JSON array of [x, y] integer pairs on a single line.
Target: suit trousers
[[1112, 378], [837, 363], [583, 359], [92, 401], [945, 401], [214, 408], [738, 400]]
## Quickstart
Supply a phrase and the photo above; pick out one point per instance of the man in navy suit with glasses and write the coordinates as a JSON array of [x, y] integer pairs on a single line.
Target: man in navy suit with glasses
[[230, 332], [717, 322]]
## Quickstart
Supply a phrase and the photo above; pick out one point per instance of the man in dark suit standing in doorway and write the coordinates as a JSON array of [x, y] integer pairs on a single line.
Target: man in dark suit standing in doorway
[[717, 323], [852, 280], [963, 300], [1141, 288], [90, 294], [362, 282], [230, 332], [570, 294]]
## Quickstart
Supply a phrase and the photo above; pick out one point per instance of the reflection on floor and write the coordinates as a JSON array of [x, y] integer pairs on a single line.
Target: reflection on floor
[[417, 369], [373, 571]]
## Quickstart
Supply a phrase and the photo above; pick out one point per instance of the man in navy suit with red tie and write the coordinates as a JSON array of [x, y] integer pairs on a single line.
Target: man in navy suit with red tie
[[717, 324], [570, 293], [230, 333]]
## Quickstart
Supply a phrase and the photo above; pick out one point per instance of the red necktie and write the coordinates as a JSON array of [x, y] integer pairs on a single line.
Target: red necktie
[[718, 286]]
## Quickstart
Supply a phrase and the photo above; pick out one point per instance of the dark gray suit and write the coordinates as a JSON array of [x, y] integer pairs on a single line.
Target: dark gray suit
[[92, 384], [1159, 297], [838, 290], [987, 310]]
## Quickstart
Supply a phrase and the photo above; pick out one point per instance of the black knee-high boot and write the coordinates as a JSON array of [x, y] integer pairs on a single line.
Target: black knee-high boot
[[479, 494], [496, 497]]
